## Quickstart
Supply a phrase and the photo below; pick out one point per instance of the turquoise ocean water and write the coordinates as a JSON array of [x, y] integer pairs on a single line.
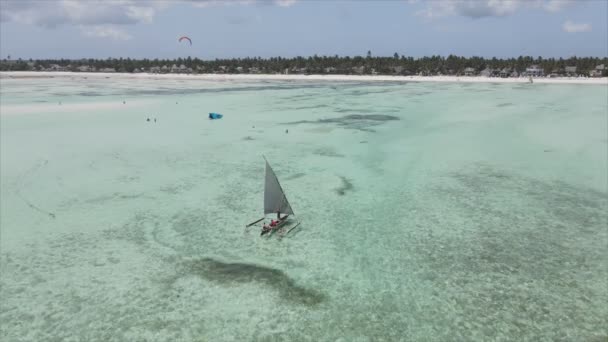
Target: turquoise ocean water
[[430, 212]]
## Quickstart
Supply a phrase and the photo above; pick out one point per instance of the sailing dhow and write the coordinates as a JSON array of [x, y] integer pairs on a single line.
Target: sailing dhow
[[275, 202]]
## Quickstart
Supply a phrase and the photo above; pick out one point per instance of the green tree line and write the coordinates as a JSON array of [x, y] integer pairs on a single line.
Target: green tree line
[[394, 65]]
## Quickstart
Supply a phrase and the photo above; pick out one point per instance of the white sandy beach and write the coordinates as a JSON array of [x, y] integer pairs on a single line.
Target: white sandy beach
[[257, 77]]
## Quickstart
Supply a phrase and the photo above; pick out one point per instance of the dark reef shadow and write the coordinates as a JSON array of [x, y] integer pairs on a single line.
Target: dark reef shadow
[[346, 186], [227, 273], [361, 122], [327, 152]]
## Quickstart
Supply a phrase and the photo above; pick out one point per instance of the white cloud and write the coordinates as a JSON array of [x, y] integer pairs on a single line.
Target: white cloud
[[556, 5], [488, 8], [93, 12], [285, 3], [470, 8], [53, 13], [106, 31], [210, 3], [572, 27]]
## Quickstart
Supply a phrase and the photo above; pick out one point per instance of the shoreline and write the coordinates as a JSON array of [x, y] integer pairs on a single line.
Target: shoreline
[[299, 77]]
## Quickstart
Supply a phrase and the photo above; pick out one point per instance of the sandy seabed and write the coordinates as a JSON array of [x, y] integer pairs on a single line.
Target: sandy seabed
[[431, 211]]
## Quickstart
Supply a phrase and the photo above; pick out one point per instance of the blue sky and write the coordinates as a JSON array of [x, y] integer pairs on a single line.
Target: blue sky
[[240, 28]]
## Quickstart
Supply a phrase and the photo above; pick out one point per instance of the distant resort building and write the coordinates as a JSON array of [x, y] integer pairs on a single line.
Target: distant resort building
[[556, 72], [598, 71], [505, 72], [182, 69], [57, 67], [571, 71], [535, 71], [359, 70], [469, 71], [330, 70]]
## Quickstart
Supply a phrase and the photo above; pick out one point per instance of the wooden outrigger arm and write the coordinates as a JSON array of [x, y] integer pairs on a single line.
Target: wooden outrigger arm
[[290, 229], [252, 223]]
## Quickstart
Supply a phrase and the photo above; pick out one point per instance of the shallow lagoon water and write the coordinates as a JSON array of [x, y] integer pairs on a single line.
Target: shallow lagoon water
[[435, 212]]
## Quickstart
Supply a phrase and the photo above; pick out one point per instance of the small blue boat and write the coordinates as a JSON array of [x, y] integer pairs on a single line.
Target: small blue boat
[[214, 116]]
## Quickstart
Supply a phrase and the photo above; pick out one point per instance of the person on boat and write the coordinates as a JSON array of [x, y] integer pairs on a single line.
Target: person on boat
[[265, 229], [274, 224], [271, 225]]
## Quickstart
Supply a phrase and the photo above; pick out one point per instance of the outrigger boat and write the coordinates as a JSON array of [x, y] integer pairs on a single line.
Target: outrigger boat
[[275, 202]]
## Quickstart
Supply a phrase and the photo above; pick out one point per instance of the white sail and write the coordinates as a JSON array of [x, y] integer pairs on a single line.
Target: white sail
[[274, 197]]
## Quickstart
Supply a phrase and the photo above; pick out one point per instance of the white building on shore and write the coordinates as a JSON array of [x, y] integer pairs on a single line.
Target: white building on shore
[[535, 71], [470, 71], [598, 71], [571, 71]]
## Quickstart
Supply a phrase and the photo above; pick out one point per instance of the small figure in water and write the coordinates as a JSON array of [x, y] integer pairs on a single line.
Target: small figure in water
[[124, 102], [148, 119], [154, 119], [286, 131]]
